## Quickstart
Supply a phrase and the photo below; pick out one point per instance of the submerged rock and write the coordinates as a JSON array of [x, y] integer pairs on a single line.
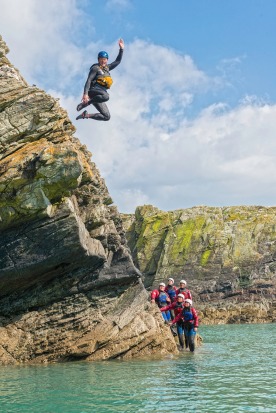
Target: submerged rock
[[68, 285], [227, 255]]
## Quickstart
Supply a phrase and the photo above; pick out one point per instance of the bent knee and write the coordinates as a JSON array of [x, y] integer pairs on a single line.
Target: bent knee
[[107, 116]]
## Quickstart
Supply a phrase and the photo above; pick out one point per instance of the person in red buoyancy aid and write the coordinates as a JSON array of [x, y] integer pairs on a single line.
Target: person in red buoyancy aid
[[171, 291], [187, 320], [162, 299], [184, 290], [177, 307]]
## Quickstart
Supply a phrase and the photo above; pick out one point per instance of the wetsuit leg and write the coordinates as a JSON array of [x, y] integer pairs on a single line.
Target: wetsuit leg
[[103, 112], [98, 97], [186, 335], [190, 334], [191, 338], [164, 315], [180, 334]]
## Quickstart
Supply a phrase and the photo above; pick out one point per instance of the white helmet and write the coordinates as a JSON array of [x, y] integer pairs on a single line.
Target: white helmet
[[189, 301], [182, 282], [171, 279], [162, 285], [181, 296]]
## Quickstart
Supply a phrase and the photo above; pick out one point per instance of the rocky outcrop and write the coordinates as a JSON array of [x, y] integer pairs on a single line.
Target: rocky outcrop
[[68, 286], [227, 255]]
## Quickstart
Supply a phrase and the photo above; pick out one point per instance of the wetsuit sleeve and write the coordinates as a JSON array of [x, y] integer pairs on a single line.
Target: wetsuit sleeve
[[154, 294], [117, 61], [195, 317], [91, 77]]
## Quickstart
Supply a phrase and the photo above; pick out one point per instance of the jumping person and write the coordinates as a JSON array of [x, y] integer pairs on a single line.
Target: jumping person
[[97, 83], [188, 320], [161, 298]]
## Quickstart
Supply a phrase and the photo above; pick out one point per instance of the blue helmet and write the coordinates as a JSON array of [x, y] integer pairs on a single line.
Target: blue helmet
[[103, 54]]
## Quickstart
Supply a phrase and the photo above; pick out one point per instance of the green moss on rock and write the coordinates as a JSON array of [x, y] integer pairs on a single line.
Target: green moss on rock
[[205, 242], [205, 257]]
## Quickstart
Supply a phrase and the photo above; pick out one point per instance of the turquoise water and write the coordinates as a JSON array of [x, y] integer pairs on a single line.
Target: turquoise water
[[234, 371]]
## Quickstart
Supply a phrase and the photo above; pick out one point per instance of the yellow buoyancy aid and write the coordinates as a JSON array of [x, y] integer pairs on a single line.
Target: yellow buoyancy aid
[[105, 81]]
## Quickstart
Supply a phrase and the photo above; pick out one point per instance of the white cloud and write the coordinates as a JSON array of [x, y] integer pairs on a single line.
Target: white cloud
[[152, 150], [219, 158], [130, 198], [40, 38]]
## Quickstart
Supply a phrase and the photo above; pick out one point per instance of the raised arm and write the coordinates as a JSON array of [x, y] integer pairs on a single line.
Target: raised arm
[[118, 59], [121, 44]]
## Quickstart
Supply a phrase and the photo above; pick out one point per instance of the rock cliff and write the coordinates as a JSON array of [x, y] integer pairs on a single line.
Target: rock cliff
[[68, 286], [227, 255]]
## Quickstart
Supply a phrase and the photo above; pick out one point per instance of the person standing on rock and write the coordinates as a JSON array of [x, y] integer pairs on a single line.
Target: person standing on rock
[[162, 299], [188, 320], [184, 290], [177, 308], [97, 84], [171, 289]]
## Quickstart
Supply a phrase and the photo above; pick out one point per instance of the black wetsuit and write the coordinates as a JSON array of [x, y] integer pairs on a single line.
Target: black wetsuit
[[98, 94]]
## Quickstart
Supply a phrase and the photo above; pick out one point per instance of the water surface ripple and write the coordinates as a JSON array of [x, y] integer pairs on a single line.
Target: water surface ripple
[[234, 371]]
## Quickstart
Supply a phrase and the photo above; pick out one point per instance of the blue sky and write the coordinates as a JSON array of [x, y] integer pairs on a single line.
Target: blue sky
[[193, 105], [211, 31]]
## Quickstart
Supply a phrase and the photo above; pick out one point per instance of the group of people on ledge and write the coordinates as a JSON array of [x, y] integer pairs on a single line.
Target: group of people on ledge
[[177, 309]]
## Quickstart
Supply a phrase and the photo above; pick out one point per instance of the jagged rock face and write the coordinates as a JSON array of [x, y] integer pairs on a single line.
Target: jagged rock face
[[68, 286], [227, 255]]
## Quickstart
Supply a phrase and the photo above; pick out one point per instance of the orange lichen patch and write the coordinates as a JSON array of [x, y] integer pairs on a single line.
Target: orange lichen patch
[[13, 163], [27, 151], [88, 173], [47, 152]]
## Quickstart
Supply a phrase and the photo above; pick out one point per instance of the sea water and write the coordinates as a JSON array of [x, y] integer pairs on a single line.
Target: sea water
[[233, 371]]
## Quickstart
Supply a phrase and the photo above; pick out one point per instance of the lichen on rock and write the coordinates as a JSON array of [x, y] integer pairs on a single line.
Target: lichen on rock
[[227, 255]]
